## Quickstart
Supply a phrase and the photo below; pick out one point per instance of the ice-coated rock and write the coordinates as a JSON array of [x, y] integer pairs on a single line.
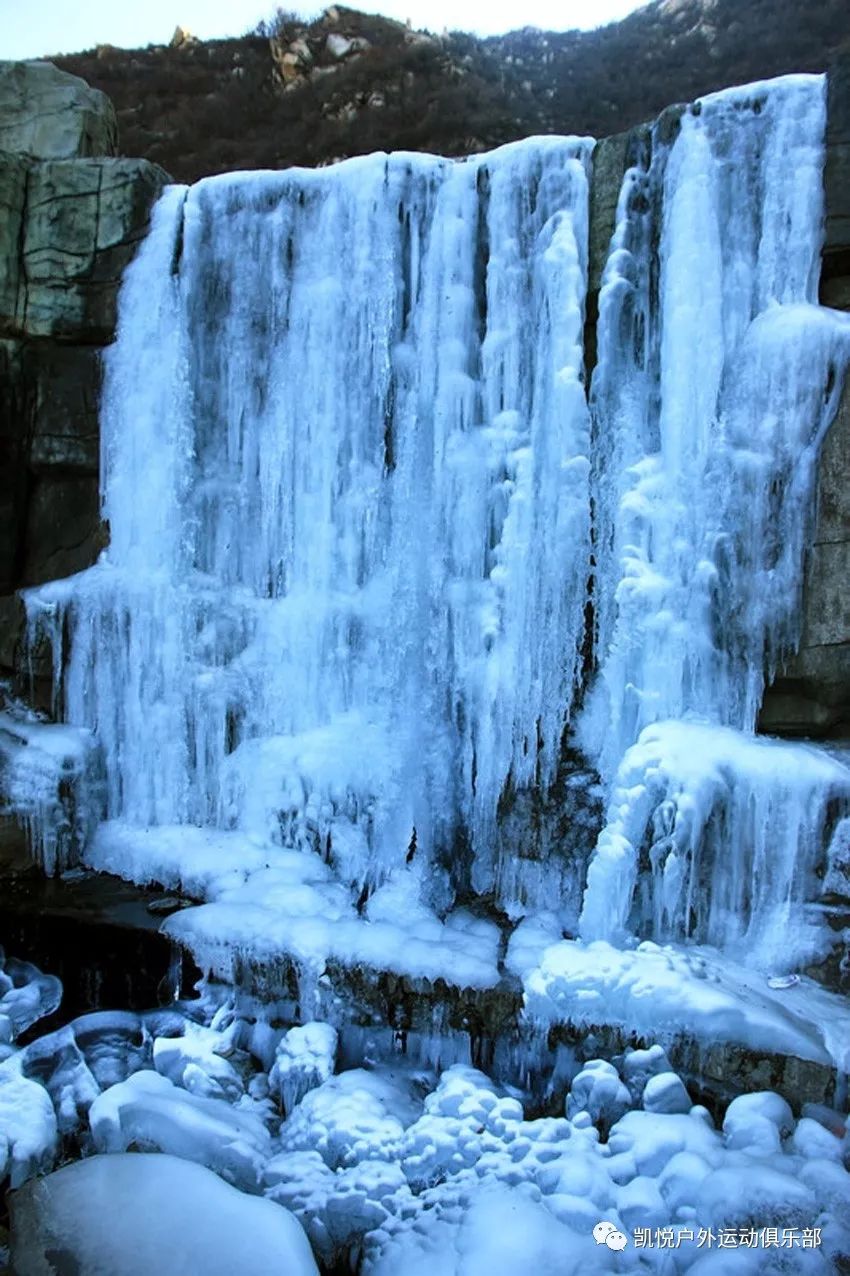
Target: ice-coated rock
[[304, 1059], [598, 1090], [757, 1196], [26, 995], [762, 1104], [28, 1131], [197, 1061], [142, 1213], [357, 1115], [665, 1092], [639, 1065], [149, 1112]]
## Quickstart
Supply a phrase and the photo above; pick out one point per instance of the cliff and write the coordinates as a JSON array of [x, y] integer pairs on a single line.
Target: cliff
[[73, 213]]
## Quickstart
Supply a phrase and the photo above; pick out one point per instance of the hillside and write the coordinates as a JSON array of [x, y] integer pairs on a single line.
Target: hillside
[[349, 83]]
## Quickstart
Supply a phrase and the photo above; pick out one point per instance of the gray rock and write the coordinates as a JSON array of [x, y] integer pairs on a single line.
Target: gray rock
[[63, 526], [65, 383], [14, 428], [610, 160], [837, 170], [84, 219], [13, 192], [48, 114], [813, 695]]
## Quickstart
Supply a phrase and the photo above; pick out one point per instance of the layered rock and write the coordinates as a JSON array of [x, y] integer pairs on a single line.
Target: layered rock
[[48, 114], [71, 215]]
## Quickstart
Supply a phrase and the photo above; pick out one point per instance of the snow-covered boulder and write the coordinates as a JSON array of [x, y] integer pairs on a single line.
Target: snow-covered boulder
[[151, 1113], [137, 1214], [304, 1059], [355, 1116]]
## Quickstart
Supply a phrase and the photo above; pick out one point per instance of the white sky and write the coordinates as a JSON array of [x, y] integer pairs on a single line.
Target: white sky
[[34, 28]]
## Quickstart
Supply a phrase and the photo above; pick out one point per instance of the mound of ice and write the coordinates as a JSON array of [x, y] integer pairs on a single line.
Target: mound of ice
[[352, 1117], [47, 778], [26, 995], [734, 828], [500, 1232], [148, 1111], [598, 1090], [136, 1214], [304, 1059], [667, 990], [197, 1061], [28, 1132]]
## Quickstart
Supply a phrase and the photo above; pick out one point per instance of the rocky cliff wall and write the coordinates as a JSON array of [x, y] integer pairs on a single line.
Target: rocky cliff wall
[[71, 214]]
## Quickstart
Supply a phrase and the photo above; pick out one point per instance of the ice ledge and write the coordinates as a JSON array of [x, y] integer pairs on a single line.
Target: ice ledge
[[265, 907], [672, 992]]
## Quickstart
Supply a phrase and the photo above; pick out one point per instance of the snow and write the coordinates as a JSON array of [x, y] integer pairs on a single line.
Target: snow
[[352, 1117], [164, 1215], [304, 1059], [28, 1132], [669, 990], [357, 498], [197, 1061], [149, 1112], [390, 1166]]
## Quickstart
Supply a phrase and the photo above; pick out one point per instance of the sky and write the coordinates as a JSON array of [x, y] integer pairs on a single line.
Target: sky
[[42, 27]]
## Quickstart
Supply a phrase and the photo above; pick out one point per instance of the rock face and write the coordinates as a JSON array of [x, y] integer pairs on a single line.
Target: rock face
[[71, 216], [48, 114], [83, 221]]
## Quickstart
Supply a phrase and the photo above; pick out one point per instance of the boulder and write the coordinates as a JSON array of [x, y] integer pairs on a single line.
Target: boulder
[[48, 114], [84, 219], [137, 1213]]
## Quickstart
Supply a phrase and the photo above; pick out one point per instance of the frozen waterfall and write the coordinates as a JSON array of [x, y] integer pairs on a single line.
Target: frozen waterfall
[[379, 565], [346, 474], [718, 376]]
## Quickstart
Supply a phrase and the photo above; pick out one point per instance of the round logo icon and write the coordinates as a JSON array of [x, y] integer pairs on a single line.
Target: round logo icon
[[606, 1233]]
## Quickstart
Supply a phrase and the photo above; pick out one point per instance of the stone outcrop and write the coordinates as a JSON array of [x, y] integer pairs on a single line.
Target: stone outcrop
[[83, 221], [48, 114], [71, 215]]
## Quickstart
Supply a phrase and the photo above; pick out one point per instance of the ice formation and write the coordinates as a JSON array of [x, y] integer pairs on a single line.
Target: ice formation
[[48, 780], [393, 1168], [716, 382], [385, 586], [346, 471], [164, 1215]]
